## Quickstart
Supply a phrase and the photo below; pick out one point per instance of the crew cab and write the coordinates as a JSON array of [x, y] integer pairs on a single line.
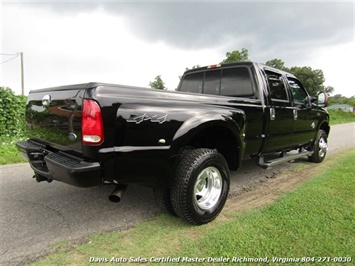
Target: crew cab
[[181, 143]]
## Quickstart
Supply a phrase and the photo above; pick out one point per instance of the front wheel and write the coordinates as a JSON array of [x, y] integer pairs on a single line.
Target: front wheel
[[201, 186], [320, 147]]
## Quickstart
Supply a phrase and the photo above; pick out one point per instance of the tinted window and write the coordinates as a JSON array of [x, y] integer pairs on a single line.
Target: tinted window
[[229, 82], [236, 82], [212, 82], [276, 86], [299, 95], [192, 83]]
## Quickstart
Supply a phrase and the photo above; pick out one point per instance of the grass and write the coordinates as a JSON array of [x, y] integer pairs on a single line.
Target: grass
[[9, 154], [314, 222], [340, 117]]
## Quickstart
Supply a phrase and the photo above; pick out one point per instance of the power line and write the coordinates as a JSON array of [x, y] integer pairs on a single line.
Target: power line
[[15, 56], [22, 75], [9, 54]]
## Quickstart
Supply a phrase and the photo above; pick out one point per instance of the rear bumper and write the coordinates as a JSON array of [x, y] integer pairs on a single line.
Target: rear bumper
[[60, 166]]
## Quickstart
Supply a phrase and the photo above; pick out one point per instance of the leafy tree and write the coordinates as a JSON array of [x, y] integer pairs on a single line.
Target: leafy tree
[[312, 79], [12, 113], [329, 89], [158, 83], [351, 101], [277, 63], [338, 99], [236, 56]]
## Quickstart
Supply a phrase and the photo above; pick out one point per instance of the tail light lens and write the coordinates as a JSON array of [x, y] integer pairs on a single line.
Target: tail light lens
[[92, 125]]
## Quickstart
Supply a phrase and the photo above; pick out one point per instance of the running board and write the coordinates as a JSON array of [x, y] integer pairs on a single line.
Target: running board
[[285, 158]]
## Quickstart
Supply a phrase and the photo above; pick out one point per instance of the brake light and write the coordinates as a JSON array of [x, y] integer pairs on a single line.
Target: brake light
[[214, 66], [92, 128]]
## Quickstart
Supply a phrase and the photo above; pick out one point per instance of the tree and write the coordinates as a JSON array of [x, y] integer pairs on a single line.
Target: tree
[[338, 99], [312, 79], [277, 63], [329, 89], [236, 56], [12, 113], [158, 83], [351, 101]]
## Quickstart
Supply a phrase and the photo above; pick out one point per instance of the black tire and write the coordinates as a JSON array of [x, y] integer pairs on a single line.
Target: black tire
[[163, 200], [201, 186], [320, 147]]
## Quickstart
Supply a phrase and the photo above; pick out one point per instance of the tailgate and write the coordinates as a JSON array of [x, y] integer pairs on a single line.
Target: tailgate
[[54, 116]]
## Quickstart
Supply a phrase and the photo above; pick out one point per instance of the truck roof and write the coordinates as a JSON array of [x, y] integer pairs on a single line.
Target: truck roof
[[246, 63]]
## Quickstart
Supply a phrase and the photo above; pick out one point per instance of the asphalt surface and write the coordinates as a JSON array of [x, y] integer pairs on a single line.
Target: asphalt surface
[[34, 216]]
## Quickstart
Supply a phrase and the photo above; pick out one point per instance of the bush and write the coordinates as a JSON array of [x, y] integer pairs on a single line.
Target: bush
[[12, 114]]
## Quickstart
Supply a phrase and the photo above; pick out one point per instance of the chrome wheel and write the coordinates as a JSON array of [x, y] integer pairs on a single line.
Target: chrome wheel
[[320, 147], [323, 147], [208, 188], [201, 186]]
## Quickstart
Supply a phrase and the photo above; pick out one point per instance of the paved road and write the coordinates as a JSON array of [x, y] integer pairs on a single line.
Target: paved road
[[35, 215]]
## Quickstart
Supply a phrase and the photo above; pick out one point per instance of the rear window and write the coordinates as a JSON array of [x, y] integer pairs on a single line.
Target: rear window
[[192, 83], [212, 82], [229, 82], [236, 82]]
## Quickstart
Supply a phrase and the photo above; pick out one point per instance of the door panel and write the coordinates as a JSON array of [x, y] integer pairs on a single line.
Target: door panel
[[305, 124], [280, 128], [279, 132]]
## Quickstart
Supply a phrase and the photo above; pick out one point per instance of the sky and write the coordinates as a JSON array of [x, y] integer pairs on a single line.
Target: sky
[[131, 42]]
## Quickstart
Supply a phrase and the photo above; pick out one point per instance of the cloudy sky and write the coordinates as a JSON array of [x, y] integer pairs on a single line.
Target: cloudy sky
[[132, 42]]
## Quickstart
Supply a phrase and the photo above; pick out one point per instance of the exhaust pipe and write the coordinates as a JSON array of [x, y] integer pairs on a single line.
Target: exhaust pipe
[[40, 178], [117, 193]]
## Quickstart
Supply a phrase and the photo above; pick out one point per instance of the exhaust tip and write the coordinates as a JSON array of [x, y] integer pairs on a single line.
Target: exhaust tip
[[117, 193], [114, 198]]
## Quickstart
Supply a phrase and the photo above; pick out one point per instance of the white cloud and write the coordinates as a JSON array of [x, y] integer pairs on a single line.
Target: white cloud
[[338, 66]]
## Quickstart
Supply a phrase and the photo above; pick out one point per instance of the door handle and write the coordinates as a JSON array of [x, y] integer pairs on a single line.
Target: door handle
[[295, 114], [272, 113]]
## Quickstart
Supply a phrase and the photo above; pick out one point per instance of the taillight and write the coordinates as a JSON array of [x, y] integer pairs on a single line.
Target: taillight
[[91, 123]]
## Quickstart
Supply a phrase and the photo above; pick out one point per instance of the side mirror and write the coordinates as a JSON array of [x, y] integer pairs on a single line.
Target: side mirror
[[309, 102], [322, 100]]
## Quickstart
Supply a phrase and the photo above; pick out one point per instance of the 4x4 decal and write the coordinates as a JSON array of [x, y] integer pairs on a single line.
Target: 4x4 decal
[[147, 117]]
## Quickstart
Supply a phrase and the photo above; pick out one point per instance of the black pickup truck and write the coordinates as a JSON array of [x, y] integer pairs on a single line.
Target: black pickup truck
[[181, 143]]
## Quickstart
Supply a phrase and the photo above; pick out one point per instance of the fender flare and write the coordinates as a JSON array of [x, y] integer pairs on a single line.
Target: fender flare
[[234, 121]]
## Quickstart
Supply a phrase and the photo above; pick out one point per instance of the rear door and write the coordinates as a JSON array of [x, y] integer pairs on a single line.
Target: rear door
[[279, 113]]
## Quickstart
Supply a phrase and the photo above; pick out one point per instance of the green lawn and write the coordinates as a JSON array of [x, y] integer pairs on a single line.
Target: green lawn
[[8, 151], [340, 117], [313, 223]]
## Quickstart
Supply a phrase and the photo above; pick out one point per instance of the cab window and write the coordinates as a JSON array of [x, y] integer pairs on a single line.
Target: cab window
[[299, 94], [276, 86]]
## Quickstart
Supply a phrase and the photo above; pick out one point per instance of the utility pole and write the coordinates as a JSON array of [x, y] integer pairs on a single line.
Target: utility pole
[[22, 76]]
